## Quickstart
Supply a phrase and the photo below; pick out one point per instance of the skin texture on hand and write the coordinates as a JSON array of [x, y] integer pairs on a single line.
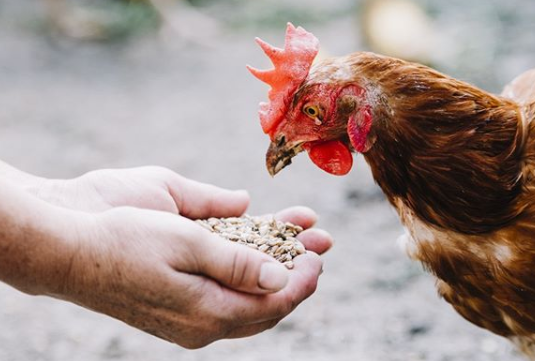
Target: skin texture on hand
[[35, 246], [167, 276], [154, 268], [150, 187]]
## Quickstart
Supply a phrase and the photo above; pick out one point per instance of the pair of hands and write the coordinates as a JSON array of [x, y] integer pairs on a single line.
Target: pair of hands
[[134, 252]]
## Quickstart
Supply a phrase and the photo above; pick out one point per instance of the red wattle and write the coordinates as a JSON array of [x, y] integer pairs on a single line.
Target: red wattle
[[333, 156]]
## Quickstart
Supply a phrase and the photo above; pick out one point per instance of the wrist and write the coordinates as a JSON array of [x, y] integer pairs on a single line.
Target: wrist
[[50, 190], [58, 241], [38, 244]]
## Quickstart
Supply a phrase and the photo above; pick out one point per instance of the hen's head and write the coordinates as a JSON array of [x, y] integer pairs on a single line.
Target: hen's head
[[320, 109]]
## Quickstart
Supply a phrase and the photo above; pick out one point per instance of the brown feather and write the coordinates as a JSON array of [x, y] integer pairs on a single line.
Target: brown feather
[[458, 164], [451, 148]]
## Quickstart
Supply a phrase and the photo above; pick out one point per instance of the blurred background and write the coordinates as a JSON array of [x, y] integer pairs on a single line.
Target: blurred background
[[117, 83]]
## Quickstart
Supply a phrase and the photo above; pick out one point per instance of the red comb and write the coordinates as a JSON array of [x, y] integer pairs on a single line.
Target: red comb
[[291, 68]]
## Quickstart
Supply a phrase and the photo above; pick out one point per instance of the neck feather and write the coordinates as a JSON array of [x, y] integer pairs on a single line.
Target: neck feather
[[450, 151]]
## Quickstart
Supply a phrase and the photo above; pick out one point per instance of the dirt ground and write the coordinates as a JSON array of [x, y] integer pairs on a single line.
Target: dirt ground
[[69, 107]]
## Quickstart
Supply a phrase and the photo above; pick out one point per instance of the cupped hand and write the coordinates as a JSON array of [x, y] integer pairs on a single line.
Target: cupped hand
[[141, 259], [161, 189], [164, 274]]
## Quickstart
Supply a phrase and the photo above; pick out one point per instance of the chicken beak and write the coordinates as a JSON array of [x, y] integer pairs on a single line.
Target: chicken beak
[[280, 154]]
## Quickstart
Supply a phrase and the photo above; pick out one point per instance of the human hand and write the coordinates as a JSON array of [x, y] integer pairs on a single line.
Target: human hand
[[164, 274], [149, 187], [160, 189]]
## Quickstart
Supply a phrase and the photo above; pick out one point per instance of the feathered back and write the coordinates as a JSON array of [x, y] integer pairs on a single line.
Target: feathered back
[[448, 149], [488, 278]]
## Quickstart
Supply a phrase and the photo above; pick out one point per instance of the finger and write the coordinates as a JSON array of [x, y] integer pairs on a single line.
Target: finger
[[244, 309], [239, 267], [316, 240], [200, 200], [302, 216], [303, 278]]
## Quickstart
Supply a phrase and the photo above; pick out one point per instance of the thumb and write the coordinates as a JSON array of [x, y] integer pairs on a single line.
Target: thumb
[[241, 268]]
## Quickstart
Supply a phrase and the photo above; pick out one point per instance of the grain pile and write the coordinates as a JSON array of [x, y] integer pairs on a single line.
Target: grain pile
[[275, 238]]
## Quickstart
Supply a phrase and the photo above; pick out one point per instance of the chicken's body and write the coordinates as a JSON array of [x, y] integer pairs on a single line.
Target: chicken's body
[[487, 275], [457, 163]]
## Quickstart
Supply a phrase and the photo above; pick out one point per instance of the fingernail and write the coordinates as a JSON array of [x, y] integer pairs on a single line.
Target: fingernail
[[273, 276]]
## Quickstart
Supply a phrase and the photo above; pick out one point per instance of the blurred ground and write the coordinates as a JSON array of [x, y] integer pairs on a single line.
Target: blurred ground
[[67, 107]]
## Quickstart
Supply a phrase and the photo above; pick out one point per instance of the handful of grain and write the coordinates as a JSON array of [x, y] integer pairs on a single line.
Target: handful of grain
[[270, 236]]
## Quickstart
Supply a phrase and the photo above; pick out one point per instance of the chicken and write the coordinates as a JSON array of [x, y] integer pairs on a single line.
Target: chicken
[[457, 163]]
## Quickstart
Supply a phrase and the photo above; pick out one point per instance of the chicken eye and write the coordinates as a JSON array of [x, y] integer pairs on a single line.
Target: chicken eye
[[311, 110]]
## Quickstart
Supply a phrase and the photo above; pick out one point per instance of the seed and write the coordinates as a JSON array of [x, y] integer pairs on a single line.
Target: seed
[[213, 221], [299, 248], [289, 264], [280, 250], [267, 235], [205, 225], [281, 258], [233, 237], [263, 248], [261, 241], [263, 230]]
